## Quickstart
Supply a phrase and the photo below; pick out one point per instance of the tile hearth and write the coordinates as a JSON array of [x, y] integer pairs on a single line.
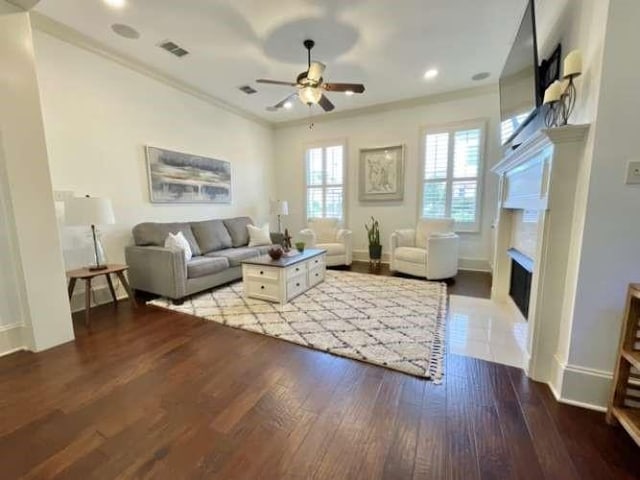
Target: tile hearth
[[485, 329]]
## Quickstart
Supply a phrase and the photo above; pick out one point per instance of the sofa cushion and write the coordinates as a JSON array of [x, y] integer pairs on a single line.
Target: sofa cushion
[[153, 233], [237, 228], [333, 248], [237, 255], [211, 235], [411, 255], [428, 226], [202, 266]]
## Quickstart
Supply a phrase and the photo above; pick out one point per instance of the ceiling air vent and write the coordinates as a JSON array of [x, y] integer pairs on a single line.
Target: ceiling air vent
[[173, 48], [248, 89]]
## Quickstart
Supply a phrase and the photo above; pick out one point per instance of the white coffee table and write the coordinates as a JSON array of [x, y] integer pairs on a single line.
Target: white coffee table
[[284, 279]]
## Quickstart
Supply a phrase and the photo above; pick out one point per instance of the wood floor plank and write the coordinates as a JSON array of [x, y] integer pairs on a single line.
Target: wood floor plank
[[149, 393]]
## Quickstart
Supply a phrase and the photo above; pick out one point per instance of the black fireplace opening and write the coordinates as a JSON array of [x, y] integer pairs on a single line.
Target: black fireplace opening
[[520, 283]]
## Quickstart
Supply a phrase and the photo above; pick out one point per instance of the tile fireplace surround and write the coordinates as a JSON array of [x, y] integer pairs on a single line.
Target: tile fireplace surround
[[540, 176]]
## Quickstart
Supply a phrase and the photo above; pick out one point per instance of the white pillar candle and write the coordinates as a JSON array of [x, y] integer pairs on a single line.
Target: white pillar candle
[[552, 93], [573, 64]]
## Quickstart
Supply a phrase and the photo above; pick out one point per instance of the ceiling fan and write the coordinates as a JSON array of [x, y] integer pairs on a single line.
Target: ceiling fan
[[311, 87]]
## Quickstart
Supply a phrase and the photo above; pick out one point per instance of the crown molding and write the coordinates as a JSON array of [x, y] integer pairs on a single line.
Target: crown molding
[[24, 4], [396, 105], [67, 34]]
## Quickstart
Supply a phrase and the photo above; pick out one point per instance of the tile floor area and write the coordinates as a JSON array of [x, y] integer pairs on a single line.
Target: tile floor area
[[487, 330]]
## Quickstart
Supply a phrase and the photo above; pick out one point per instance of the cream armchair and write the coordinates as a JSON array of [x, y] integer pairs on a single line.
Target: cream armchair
[[324, 233], [430, 250]]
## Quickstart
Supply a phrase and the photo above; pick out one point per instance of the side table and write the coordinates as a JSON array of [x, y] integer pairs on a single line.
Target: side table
[[88, 276]]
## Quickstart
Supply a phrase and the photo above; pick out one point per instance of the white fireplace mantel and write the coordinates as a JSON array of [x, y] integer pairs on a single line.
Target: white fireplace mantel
[[541, 175]]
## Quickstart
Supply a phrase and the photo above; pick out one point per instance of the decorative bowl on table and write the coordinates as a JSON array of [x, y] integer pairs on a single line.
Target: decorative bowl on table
[[300, 246], [275, 253]]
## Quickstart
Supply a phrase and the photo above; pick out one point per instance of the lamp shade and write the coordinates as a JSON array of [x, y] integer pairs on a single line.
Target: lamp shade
[[279, 207], [88, 211], [572, 66], [553, 93]]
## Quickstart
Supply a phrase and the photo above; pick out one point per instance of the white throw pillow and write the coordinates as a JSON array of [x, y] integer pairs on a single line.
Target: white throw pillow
[[178, 241], [259, 235]]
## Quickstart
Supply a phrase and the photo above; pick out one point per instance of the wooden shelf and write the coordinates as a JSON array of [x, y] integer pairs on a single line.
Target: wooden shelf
[[626, 377], [629, 418], [633, 357]]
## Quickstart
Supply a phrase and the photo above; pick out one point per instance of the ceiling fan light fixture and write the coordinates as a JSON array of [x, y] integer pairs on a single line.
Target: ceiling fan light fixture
[[309, 95], [348, 93], [288, 105]]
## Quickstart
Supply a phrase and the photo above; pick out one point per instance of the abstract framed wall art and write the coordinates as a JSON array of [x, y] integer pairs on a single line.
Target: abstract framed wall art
[[176, 177], [381, 176]]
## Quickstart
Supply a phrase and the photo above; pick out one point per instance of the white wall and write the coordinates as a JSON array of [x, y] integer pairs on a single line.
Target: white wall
[[98, 117], [610, 258], [35, 270], [391, 127]]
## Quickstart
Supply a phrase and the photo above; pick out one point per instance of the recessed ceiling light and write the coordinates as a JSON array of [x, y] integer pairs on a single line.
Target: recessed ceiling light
[[288, 105], [480, 76], [348, 93], [431, 73], [125, 31], [116, 3]]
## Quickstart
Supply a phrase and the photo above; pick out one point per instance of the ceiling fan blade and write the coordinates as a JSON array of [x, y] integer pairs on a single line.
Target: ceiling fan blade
[[316, 69], [281, 103], [275, 82], [343, 87], [325, 103]]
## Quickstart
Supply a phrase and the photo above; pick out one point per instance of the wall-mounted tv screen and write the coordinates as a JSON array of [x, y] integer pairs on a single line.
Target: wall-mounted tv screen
[[519, 86]]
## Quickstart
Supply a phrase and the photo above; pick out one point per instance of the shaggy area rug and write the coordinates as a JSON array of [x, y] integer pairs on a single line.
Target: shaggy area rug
[[393, 322]]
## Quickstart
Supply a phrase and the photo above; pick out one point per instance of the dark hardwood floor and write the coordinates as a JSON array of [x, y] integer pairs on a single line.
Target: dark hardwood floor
[[156, 394]]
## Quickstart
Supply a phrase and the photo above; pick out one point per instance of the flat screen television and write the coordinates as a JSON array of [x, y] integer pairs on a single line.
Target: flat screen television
[[520, 88]]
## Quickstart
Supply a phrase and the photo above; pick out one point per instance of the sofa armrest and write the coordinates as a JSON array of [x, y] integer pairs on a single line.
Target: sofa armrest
[[405, 237], [442, 256], [308, 236], [158, 270]]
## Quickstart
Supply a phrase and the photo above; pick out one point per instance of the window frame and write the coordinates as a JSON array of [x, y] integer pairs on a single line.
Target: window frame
[[324, 144], [451, 128]]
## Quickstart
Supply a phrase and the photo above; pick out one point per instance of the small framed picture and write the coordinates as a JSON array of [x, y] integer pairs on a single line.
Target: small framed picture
[[381, 176]]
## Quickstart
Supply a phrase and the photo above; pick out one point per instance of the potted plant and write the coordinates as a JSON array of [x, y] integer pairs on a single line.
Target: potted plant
[[373, 232]]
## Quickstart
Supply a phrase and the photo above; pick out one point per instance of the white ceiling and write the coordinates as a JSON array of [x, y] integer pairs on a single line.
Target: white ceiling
[[385, 44]]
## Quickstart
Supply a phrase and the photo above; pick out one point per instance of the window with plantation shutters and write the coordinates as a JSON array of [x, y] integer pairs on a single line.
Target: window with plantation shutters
[[452, 174], [325, 181]]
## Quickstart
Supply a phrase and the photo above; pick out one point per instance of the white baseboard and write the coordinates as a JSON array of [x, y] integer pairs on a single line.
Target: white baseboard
[[100, 296], [473, 264], [11, 339], [580, 386]]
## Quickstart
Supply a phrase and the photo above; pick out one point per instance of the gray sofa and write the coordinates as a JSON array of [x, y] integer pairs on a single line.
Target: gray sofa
[[218, 246]]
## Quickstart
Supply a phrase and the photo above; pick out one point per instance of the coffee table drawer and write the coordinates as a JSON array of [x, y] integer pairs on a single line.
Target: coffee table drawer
[[297, 271], [316, 262], [316, 275], [296, 286], [255, 271], [265, 290]]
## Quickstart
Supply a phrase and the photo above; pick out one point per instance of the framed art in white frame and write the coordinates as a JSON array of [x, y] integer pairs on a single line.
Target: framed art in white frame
[[381, 174]]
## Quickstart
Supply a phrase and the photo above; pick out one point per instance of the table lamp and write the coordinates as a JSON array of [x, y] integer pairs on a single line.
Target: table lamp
[[82, 211], [279, 208]]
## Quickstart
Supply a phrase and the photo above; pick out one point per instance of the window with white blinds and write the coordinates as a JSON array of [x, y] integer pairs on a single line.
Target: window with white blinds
[[452, 174], [325, 181]]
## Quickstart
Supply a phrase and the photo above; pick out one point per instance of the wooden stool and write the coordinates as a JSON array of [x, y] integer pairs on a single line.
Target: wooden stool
[[88, 275]]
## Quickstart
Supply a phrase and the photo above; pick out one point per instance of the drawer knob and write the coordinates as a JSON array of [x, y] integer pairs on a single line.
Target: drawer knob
[[297, 269], [261, 272], [297, 284], [317, 274], [261, 287]]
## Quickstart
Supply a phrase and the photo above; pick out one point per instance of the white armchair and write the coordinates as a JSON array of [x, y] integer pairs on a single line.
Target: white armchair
[[430, 250], [324, 233]]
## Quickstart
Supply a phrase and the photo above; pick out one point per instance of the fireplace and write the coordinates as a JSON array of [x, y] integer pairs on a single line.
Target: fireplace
[[520, 281]]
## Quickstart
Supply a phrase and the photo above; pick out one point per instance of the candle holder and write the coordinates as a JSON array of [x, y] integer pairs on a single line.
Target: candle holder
[[567, 101]]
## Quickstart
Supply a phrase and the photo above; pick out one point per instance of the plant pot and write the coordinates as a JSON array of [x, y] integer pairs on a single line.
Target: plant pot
[[375, 252]]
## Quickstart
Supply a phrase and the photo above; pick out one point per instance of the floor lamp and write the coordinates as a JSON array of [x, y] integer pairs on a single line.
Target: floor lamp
[[83, 211]]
